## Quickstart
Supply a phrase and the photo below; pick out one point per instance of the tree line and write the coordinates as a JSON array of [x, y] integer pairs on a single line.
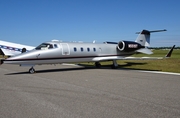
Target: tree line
[[163, 47]]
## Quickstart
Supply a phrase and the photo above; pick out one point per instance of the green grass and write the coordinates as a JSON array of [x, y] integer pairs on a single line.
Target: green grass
[[166, 65], [161, 53], [1, 56]]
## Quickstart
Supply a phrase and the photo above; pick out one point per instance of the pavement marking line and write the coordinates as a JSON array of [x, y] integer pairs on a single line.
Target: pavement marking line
[[158, 72]]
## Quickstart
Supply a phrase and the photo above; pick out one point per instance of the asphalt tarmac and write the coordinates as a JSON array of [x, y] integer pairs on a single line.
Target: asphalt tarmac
[[66, 91]]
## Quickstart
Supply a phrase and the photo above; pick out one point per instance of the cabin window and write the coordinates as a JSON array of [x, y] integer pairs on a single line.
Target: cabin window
[[94, 49], [50, 46], [75, 49], [88, 49], [55, 46], [81, 49]]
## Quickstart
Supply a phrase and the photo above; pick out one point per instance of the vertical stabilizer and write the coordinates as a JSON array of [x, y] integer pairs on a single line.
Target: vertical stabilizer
[[144, 37]]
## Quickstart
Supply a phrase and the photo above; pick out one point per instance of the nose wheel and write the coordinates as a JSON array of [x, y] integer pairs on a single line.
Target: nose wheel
[[32, 70]]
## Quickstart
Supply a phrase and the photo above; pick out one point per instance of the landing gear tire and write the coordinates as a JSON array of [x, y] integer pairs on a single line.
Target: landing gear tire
[[114, 67], [32, 70], [98, 65]]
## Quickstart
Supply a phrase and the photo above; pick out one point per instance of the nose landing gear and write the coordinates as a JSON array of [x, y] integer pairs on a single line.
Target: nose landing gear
[[32, 70]]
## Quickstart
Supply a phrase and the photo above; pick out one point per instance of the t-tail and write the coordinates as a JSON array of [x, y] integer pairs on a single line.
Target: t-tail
[[144, 37]]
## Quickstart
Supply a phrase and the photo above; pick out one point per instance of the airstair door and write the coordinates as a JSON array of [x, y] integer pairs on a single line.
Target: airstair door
[[65, 49]]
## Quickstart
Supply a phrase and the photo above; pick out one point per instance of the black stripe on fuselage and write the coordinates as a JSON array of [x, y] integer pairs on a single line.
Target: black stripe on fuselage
[[32, 59]]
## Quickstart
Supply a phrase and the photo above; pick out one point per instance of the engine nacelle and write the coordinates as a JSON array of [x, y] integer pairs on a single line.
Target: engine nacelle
[[128, 46], [23, 50]]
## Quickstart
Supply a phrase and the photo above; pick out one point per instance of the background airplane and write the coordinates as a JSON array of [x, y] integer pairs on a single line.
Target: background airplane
[[10, 49], [54, 52]]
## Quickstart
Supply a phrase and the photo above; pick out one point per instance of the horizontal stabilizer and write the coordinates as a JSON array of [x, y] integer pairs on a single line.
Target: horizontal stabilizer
[[145, 51], [148, 32]]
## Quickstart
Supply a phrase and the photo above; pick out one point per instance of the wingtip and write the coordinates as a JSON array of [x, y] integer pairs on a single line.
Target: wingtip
[[170, 52]]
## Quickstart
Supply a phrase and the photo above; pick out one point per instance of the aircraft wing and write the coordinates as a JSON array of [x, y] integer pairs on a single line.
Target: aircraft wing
[[133, 58], [8, 52], [125, 58], [11, 49]]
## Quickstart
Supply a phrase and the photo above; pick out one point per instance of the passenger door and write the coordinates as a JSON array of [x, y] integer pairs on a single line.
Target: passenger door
[[65, 49]]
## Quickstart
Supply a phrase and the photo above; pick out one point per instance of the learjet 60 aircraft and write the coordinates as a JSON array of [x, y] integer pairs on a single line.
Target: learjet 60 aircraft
[[55, 52]]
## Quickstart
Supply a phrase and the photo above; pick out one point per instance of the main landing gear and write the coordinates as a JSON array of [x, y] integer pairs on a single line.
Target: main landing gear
[[113, 66], [97, 64], [32, 70]]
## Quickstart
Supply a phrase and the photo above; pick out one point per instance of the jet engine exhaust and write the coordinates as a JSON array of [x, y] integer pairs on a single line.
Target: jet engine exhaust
[[128, 46]]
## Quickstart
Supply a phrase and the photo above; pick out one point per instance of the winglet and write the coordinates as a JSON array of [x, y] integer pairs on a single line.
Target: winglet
[[170, 52]]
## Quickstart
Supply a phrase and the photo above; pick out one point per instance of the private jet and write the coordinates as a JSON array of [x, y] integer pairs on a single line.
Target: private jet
[[57, 52]]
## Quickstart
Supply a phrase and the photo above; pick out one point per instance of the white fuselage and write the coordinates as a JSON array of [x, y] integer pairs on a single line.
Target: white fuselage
[[61, 52]]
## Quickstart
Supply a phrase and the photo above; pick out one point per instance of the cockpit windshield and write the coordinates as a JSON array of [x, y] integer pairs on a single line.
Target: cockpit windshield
[[44, 46]]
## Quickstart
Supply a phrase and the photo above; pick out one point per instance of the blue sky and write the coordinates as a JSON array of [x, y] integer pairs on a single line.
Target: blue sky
[[32, 22]]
